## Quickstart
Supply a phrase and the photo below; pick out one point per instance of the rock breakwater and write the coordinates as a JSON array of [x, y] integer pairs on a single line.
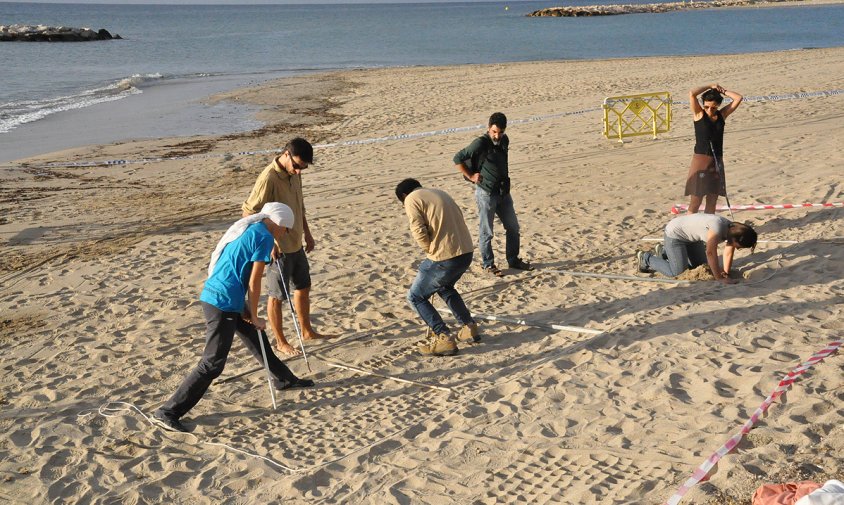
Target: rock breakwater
[[42, 33], [617, 9]]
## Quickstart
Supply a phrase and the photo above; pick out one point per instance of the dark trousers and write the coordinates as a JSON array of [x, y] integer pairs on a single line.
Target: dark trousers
[[219, 334]]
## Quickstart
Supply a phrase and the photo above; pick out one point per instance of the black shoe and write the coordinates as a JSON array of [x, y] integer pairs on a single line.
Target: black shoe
[[521, 264], [298, 384], [168, 422], [643, 267]]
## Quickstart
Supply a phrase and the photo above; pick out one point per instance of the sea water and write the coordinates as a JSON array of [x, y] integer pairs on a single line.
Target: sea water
[[151, 83]]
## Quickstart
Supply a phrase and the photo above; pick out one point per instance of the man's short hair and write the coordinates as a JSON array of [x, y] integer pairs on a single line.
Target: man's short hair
[[301, 148], [712, 95], [498, 119], [406, 187]]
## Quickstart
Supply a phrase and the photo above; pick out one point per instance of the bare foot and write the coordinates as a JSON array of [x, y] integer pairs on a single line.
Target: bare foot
[[287, 349], [312, 335]]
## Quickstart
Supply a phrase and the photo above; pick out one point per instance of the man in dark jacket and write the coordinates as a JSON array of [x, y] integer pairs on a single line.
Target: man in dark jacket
[[484, 163]]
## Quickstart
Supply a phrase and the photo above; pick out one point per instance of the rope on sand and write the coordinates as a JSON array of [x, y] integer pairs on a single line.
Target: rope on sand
[[404, 136], [346, 143], [113, 409], [385, 376], [616, 277]]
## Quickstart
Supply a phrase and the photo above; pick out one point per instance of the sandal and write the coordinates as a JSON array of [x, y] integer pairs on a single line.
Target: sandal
[[494, 271]]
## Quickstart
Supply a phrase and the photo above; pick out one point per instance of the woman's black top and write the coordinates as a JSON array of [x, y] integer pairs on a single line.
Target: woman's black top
[[707, 131]]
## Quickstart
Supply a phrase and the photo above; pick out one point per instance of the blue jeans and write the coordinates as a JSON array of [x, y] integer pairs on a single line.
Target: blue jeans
[[488, 207], [440, 277], [681, 256]]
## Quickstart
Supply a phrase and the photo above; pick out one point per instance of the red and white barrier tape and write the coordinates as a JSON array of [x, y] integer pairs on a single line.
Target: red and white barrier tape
[[680, 207], [703, 470]]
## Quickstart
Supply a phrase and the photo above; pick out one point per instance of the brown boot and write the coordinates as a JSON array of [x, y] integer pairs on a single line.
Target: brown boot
[[442, 345], [468, 333]]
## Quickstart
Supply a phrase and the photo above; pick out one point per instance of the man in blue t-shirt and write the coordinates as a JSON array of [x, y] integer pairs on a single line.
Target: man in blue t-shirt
[[230, 304]]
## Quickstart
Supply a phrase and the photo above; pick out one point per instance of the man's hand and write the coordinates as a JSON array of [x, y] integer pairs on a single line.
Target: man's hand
[[309, 241], [275, 254], [257, 322], [475, 178], [725, 278]]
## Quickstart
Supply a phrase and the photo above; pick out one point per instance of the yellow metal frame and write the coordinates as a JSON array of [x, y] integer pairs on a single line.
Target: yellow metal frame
[[631, 115]]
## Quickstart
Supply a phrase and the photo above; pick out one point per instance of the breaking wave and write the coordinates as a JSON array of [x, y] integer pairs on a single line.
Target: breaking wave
[[16, 113]]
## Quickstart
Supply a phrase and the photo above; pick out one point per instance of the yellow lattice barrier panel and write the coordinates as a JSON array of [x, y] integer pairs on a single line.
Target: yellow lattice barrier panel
[[631, 115]]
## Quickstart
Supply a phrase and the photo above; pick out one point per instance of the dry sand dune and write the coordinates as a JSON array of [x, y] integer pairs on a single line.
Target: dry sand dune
[[101, 268]]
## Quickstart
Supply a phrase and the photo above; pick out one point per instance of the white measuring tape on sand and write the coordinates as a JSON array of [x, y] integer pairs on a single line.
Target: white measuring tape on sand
[[375, 140], [703, 470], [679, 208], [402, 136], [778, 98], [386, 376]]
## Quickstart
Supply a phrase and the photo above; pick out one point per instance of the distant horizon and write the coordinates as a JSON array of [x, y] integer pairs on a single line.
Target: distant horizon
[[258, 2]]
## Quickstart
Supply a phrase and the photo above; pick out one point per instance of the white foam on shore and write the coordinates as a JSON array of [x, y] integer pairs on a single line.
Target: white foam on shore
[[139, 107], [14, 114]]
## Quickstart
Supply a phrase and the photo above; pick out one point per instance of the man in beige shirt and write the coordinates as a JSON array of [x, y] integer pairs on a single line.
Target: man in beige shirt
[[437, 225], [281, 182]]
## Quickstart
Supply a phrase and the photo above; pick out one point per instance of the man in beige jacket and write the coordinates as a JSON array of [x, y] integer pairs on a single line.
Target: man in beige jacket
[[437, 225]]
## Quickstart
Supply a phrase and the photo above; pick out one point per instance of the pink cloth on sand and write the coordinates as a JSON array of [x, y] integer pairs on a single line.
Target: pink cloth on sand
[[783, 494]]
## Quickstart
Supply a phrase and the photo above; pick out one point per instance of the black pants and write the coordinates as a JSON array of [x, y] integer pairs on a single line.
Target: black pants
[[219, 334]]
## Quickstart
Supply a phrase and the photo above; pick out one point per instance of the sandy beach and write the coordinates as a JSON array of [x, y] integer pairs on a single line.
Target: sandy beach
[[101, 268]]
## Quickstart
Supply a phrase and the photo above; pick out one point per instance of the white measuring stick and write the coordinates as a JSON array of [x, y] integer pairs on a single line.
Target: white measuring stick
[[261, 336], [293, 313], [522, 322]]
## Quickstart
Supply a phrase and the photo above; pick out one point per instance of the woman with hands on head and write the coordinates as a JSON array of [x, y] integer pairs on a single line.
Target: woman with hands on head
[[705, 179]]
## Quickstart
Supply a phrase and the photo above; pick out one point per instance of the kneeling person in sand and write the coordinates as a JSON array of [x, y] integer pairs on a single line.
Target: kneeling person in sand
[[437, 225], [692, 240], [235, 272]]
